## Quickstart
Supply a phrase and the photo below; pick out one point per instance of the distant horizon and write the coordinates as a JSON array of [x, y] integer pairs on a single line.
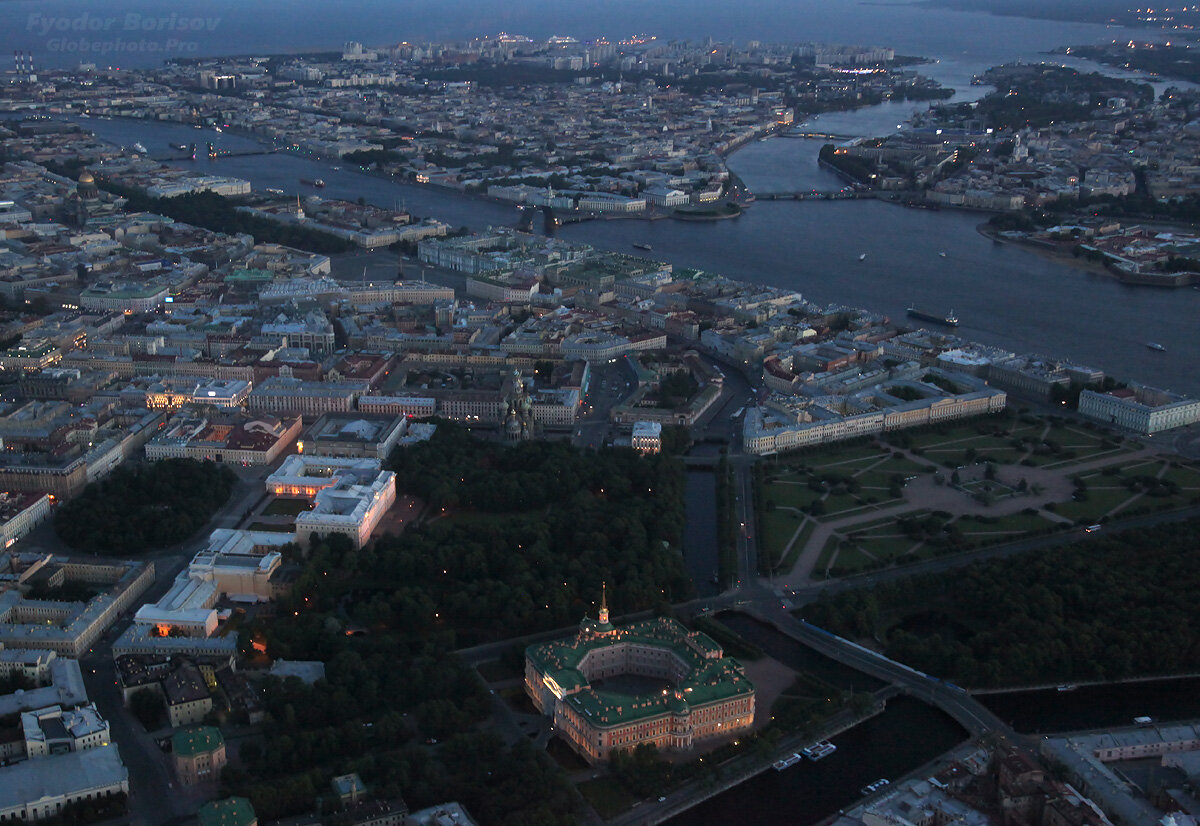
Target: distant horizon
[[142, 33]]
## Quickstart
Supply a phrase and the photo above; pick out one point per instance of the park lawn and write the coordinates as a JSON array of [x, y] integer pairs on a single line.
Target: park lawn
[[267, 526], [607, 796], [779, 526], [287, 507], [947, 437], [791, 496], [904, 465], [1098, 504], [887, 548], [1013, 523], [827, 553], [1186, 476], [887, 525], [840, 456], [1082, 455], [789, 562], [851, 560], [838, 506]]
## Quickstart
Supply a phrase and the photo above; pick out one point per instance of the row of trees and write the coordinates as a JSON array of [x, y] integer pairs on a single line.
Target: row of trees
[[138, 507], [1093, 611]]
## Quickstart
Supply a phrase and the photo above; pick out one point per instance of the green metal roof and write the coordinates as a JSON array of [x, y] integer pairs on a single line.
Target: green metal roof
[[710, 679], [192, 741], [232, 811]]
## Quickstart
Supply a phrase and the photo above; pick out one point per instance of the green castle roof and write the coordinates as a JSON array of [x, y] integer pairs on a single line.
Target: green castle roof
[[711, 676]]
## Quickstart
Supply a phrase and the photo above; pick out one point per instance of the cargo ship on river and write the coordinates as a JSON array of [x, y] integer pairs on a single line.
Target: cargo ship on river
[[950, 320]]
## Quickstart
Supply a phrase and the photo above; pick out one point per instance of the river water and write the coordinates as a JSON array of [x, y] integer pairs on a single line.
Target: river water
[[906, 735], [1003, 295], [1037, 712]]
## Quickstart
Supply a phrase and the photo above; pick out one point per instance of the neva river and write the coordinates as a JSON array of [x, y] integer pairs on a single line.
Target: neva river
[[1004, 296]]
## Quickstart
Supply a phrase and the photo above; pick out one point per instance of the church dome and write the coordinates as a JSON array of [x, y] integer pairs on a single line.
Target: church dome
[[86, 178]]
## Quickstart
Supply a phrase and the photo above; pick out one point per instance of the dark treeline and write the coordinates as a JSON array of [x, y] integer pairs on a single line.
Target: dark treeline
[[395, 705], [220, 214], [138, 507], [533, 531], [1114, 607]]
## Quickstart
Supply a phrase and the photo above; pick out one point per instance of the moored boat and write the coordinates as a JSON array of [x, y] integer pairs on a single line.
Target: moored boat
[[871, 788], [786, 762]]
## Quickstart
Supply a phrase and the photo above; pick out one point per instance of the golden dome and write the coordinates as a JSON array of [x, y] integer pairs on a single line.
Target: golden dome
[[86, 178]]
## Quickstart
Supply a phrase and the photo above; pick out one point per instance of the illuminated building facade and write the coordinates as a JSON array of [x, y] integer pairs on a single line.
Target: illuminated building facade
[[709, 701]]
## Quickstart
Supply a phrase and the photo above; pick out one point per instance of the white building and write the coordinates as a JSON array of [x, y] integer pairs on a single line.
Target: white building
[[37, 789], [647, 437], [1140, 409], [51, 730], [236, 564], [349, 495]]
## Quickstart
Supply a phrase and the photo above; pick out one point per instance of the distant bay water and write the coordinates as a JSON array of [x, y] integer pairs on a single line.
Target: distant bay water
[[144, 32]]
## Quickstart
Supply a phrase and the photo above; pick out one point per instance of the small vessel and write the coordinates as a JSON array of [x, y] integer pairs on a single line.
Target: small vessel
[[336, 168], [645, 247], [862, 257], [871, 788], [1067, 687], [182, 147], [786, 762], [216, 129], [950, 320], [818, 751], [273, 191], [941, 255], [138, 147], [1154, 345], [317, 182]]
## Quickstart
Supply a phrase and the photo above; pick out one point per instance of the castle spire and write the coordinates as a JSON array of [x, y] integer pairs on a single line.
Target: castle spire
[[604, 603]]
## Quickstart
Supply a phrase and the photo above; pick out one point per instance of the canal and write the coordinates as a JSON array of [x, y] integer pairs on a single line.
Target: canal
[[1100, 706], [905, 736]]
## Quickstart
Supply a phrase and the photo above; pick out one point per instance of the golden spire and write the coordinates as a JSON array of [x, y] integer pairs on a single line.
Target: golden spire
[[603, 603]]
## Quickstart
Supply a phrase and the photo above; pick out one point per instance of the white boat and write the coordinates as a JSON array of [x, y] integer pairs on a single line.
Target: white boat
[[941, 255], [862, 257], [786, 762], [819, 751], [1067, 687], [137, 147], [1154, 345], [871, 788]]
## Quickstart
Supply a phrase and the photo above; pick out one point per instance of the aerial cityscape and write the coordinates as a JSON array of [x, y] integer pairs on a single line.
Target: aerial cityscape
[[599, 414]]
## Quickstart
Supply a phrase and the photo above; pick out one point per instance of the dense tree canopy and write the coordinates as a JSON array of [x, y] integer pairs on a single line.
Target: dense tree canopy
[[528, 534], [138, 507], [1116, 606]]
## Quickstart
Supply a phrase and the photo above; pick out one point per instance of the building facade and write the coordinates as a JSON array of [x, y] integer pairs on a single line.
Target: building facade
[[710, 698]]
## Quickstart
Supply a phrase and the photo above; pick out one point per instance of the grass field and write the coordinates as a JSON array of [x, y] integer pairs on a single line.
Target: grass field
[[287, 507], [607, 796]]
